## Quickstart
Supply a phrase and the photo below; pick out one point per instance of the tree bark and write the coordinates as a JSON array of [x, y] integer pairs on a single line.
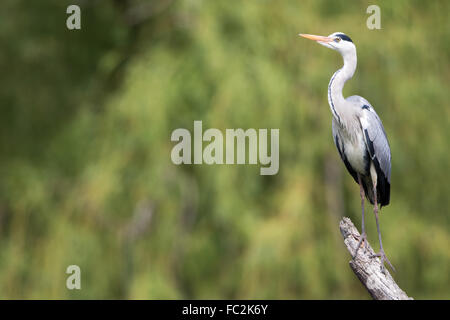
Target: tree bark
[[368, 269]]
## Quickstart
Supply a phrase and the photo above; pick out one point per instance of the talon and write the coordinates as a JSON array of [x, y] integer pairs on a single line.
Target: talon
[[363, 238], [383, 258]]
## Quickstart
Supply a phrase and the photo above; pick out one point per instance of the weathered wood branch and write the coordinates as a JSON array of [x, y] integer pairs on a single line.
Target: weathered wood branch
[[368, 269]]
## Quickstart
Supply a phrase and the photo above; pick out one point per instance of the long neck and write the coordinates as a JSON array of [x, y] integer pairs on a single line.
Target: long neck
[[335, 97]]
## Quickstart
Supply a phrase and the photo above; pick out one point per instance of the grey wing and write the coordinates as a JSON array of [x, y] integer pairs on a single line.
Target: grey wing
[[378, 148]]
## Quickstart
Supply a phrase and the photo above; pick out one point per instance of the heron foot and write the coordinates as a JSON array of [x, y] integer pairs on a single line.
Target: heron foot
[[362, 240], [383, 258]]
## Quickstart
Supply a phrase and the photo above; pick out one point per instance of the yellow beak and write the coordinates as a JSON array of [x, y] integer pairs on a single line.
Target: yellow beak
[[315, 38]]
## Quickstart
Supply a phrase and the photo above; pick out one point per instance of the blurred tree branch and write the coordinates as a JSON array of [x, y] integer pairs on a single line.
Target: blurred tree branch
[[381, 286]]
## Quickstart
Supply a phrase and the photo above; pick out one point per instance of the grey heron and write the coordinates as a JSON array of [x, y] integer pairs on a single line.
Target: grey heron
[[359, 136]]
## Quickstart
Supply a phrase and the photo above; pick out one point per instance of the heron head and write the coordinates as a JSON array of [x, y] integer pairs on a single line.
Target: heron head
[[337, 41]]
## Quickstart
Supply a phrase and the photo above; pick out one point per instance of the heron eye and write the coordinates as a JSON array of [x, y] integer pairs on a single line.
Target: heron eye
[[337, 39]]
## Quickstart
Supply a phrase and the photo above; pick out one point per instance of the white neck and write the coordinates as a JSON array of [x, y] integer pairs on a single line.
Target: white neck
[[335, 98]]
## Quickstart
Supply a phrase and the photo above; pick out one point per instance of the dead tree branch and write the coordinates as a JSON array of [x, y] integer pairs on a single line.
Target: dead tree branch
[[381, 286]]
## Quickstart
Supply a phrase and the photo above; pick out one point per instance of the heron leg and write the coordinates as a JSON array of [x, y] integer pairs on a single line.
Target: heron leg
[[363, 237], [380, 254]]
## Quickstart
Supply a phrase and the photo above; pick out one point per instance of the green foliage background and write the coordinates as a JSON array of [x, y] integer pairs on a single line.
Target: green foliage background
[[86, 176]]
